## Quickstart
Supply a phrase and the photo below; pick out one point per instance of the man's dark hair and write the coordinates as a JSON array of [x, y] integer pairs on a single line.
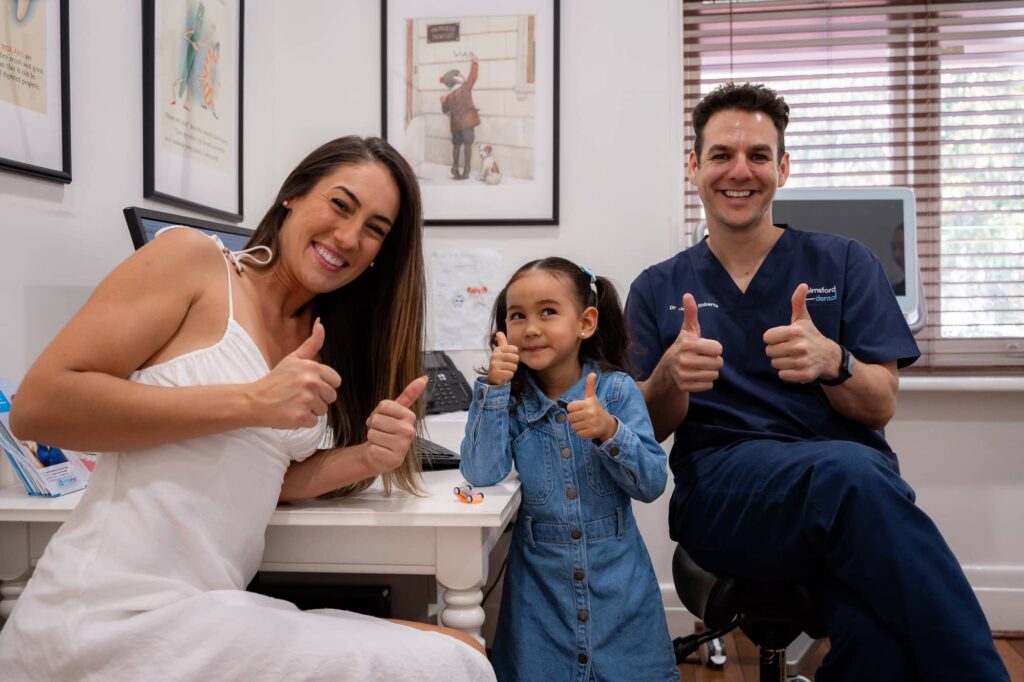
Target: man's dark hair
[[747, 97]]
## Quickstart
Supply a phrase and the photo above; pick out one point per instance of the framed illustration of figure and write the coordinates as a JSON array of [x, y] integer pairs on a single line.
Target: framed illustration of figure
[[34, 93], [192, 104], [470, 98]]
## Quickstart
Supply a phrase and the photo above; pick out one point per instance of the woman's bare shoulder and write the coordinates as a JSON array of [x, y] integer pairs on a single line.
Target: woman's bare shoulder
[[183, 256]]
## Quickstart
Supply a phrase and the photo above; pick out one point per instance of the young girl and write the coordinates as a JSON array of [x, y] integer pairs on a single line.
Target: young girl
[[580, 600]]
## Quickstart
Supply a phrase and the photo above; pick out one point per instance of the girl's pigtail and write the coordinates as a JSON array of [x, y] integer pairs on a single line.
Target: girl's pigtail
[[608, 346]]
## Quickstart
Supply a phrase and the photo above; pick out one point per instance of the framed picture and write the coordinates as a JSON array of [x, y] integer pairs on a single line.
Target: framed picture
[[34, 95], [192, 104], [470, 98]]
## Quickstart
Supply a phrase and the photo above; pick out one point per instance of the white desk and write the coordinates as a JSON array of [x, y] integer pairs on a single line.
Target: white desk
[[368, 533]]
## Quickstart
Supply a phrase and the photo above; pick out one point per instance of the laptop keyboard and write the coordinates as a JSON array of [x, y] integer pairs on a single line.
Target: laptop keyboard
[[434, 456]]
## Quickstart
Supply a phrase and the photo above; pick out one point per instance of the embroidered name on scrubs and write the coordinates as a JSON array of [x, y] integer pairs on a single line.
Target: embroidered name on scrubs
[[700, 306]]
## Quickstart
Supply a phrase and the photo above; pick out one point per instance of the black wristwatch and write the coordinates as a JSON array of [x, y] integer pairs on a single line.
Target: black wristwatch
[[845, 369]]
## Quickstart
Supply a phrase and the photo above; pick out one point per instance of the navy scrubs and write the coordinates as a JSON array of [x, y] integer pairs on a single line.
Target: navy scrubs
[[771, 483]]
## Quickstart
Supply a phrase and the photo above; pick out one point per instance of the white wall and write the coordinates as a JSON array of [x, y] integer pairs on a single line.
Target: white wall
[[963, 453], [57, 241], [312, 73]]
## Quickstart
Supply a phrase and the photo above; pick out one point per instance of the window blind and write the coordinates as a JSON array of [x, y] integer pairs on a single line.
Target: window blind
[[927, 95]]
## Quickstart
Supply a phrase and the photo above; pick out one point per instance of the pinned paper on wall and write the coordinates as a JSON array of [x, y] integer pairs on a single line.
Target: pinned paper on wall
[[464, 284]]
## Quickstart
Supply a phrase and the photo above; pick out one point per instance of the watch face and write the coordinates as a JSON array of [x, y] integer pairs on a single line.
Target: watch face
[[848, 362], [846, 366]]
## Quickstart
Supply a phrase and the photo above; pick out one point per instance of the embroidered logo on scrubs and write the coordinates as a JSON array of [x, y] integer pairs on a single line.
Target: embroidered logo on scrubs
[[705, 304], [822, 294]]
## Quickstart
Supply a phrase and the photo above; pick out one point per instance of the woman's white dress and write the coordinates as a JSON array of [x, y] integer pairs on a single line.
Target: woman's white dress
[[145, 580]]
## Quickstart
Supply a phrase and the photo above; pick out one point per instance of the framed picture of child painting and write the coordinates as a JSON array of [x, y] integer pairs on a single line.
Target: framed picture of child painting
[[192, 104], [470, 98]]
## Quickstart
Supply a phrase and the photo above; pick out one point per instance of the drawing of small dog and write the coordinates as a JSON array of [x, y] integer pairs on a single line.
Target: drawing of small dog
[[489, 172]]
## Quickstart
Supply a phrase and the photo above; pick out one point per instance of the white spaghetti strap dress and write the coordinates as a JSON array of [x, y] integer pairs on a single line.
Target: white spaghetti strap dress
[[146, 580]]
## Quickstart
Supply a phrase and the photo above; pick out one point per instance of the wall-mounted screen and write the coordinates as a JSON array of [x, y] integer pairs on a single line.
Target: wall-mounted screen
[[883, 219], [143, 225]]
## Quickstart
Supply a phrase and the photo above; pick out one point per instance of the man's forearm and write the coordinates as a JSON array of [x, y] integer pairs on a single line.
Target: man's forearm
[[666, 404], [868, 396]]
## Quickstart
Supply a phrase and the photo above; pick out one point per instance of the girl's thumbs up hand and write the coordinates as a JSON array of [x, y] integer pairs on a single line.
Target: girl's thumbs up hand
[[588, 418], [504, 361]]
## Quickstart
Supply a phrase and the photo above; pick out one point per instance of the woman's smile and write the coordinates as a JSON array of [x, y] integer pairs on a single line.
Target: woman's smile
[[331, 259]]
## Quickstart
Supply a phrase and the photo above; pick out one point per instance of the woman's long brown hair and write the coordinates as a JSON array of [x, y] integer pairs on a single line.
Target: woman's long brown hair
[[374, 325]]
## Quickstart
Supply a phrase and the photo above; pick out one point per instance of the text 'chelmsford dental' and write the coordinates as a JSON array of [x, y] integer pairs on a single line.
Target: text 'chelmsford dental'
[[822, 294]]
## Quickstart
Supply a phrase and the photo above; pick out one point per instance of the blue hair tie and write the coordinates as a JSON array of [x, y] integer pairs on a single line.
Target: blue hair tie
[[593, 280]]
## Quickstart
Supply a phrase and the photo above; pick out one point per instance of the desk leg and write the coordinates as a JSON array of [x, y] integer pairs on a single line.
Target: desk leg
[[462, 570], [15, 566], [10, 590]]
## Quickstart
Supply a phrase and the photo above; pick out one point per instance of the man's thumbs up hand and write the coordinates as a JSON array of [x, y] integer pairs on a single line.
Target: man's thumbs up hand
[[798, 350], [690, 323], [799, 302], [693, 362]]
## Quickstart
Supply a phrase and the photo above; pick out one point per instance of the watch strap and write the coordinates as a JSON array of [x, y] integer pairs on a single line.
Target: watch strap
[[845, 369]]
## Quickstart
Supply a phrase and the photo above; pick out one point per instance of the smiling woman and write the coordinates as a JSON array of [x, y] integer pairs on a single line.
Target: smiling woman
[[346, 230], [210, 386]]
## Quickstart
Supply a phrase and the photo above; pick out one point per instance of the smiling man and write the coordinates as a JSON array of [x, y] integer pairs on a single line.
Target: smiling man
[[772, 353]]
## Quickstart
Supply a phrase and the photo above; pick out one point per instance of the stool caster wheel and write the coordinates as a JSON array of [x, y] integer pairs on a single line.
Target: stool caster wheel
[[712, 653]]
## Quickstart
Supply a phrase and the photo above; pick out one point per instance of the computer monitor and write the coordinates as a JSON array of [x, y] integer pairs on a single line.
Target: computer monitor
[[143, 225], [884, 219]]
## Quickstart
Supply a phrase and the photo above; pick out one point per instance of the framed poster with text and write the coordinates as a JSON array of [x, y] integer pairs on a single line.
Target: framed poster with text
[[34, 93], [192, 104]]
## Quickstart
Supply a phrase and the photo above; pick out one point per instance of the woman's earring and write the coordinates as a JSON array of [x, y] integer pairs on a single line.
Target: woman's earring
[[284, 203], [372, 263]]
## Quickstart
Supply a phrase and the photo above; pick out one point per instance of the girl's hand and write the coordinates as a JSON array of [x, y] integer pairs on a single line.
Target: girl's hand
[[299, 389], [392, 427], [588, 417], [504, 361]]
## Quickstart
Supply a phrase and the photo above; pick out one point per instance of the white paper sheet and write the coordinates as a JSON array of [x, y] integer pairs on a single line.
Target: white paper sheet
[[464, 284]]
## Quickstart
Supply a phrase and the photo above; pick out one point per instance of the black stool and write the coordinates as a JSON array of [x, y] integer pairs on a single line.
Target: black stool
[[772, 615]]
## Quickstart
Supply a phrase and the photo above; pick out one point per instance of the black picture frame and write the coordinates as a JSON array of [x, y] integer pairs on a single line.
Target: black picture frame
[[192, 157], [44, 149], [414, 68]]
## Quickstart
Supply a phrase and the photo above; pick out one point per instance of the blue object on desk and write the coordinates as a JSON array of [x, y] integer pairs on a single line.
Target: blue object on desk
[[48, 456]]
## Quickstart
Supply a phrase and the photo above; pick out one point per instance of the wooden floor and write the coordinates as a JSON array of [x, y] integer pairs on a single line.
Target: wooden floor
[[742, 661]]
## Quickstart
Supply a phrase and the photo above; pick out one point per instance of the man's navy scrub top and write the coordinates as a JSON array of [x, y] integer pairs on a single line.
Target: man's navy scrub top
[[850, 301]]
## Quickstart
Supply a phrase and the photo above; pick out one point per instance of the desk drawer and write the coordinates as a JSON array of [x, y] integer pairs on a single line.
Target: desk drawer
[[350, 550]]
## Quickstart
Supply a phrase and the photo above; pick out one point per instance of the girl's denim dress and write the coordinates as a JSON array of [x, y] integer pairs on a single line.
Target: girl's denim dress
[[580, 600]]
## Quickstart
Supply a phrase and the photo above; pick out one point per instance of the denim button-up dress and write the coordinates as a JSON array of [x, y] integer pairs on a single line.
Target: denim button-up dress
[[580, 600]]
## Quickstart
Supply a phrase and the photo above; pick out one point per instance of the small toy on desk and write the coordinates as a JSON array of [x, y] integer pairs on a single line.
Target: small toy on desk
[[466, 494]]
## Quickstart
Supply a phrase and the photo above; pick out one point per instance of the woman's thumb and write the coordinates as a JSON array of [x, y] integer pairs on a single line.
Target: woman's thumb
[[310, 348]]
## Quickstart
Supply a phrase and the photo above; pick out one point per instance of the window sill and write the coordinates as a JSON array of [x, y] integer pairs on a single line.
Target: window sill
[[959, 383]]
